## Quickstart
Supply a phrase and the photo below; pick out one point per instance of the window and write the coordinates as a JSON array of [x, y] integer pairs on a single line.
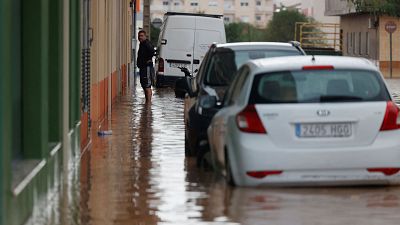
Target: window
[[227, 19], [348, 42], [354, 42], [258, 3], [258, 18], [225, 62], [176, 4], [244, 19], [165, 3], [194, 4], [234, 90], [367, 43], [213, 3], [359, 43], [318, 86], [244, 3]]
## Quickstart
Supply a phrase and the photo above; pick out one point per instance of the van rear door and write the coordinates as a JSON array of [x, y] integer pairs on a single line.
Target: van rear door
[[179, 40], [208, 31]]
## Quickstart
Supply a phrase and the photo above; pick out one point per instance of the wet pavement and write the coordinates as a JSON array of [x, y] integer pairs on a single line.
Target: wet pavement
[[394, 86], [139, 175]]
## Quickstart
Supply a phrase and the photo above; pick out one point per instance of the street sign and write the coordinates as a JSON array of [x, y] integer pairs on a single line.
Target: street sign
[[390, 27]]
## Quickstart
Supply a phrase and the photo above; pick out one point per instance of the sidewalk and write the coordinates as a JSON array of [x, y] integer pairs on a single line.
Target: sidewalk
[[394, 88]]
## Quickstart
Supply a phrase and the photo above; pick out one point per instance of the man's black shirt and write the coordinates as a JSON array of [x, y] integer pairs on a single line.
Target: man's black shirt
[[146, 53]]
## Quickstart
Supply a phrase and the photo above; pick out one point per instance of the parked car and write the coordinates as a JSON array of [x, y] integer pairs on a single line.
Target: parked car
[[324, 120], [215, 74], [184, 40]]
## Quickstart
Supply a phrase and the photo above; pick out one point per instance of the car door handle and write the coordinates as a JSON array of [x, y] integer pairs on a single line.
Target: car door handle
[[196, 61], [189, 55]]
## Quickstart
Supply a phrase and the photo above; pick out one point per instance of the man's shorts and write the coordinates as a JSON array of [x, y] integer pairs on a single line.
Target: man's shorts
[[146, 75]]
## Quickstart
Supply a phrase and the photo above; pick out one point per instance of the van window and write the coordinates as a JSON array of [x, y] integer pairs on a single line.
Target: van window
[[318, 86], [225, 62], [180, 39]]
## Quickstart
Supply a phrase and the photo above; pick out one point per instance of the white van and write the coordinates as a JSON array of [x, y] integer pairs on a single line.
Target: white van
[[184, 40]]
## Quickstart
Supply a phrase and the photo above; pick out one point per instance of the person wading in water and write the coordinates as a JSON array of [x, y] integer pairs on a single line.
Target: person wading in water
[[145, 64]]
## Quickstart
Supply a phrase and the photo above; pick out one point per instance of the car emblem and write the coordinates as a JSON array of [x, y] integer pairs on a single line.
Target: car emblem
[[323, 112]]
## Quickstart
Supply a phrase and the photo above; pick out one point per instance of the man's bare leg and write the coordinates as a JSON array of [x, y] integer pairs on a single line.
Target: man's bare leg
[[148, 93]]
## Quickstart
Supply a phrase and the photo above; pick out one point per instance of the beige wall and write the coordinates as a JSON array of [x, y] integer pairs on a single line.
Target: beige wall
[[352, 26], [384, 47], [110, 51], [110, 21], [384, 38]]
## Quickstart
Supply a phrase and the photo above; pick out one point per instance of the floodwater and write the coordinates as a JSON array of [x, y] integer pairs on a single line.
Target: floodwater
[[139, 175]]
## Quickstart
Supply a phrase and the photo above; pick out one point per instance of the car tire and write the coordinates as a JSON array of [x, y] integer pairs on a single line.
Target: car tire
[[201, 157], [187, 147], [188, 150], [213, 162], [179, 94], [157, 82], [228, 170]]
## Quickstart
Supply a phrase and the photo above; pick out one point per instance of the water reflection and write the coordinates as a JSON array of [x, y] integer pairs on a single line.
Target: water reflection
[[354, 206]]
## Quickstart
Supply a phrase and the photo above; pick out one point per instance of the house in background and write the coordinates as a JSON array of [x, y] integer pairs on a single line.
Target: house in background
[[256, 12], [364, 35], [310, 8]]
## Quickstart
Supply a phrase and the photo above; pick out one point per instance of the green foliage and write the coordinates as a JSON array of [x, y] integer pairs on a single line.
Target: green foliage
[[282, 26], [154, 33], [378, 7], [241, 32]]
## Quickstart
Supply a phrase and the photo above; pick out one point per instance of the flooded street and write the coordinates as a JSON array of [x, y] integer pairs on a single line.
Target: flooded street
[[139, 175]]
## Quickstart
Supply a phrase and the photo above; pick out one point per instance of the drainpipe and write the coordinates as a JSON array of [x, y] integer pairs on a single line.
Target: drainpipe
[[134, 41]]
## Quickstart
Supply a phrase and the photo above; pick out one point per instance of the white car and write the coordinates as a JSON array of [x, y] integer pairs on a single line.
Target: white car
[[322, 120]]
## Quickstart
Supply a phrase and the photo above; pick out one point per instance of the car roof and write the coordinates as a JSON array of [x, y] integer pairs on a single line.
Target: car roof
[[255, 45], [290, 63]]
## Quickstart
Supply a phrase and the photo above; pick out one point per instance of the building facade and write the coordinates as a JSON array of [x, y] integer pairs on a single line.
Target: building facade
[[364, 35], [256, 12], [310, 8], [62, 65]]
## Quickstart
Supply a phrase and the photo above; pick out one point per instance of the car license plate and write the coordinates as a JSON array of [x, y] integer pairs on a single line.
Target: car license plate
[[328, 130], [177, 65]]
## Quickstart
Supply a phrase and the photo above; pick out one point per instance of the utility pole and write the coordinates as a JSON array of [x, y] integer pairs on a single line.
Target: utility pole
[[146, 17]]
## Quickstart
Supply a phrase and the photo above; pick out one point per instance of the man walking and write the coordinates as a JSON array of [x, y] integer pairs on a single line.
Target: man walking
[[145, 63]]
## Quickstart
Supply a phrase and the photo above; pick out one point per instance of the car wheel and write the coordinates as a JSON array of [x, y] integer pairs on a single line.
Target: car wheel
[[179, 94], [187, 146], [203, 153], [228, 170], [188, 149], [213, 161]]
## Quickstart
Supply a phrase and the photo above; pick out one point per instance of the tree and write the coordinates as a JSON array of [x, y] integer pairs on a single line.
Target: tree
[[282, 26], [154, 33], [241, 32], [378, 7]]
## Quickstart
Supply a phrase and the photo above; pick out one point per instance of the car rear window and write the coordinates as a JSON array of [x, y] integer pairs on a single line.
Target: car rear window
[[318, 86], [225, 62]]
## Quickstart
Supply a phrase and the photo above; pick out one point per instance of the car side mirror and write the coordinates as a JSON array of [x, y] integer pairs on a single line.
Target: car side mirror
[[208, 102]]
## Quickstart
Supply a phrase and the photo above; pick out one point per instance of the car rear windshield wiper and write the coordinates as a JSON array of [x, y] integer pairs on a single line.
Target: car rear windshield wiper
[[339, 98]]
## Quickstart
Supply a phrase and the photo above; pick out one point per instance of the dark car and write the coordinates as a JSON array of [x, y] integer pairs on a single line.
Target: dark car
[[205, 91]]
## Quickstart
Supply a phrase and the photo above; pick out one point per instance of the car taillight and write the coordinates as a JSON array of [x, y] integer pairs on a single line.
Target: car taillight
[[161, 65], [262, 174], [316, 67], [386, 171], [249, 121], [391, 121]]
